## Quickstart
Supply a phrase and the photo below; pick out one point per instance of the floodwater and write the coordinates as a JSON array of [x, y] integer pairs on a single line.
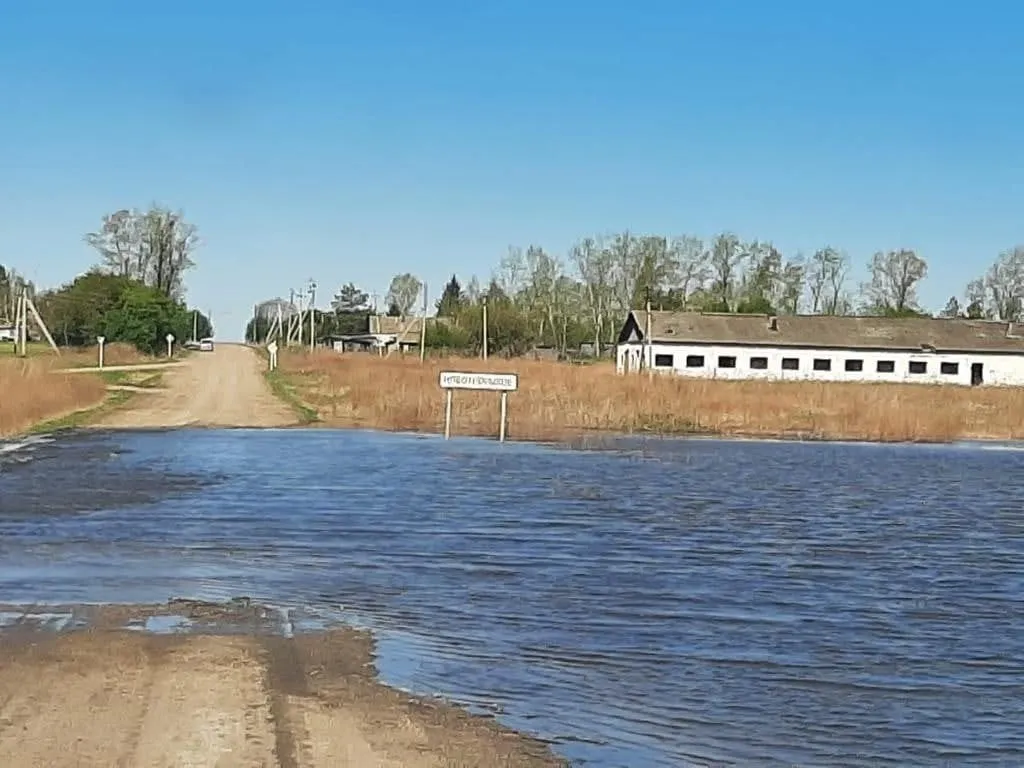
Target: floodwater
[[661, 603]]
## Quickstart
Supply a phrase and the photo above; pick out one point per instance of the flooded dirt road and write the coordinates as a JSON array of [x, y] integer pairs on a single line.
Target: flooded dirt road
[[234, 696], [223, 388], [648, 604]]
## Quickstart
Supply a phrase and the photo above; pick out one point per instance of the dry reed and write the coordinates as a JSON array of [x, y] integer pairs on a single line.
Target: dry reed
[[557, 400], [31, 391], [113, 354]]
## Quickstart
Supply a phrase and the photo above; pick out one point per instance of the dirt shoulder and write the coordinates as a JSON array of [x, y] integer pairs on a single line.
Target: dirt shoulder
[[223, 388], [106, 696]]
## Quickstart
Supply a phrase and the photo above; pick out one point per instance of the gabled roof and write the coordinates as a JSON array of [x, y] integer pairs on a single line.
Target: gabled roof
[[821, 331]]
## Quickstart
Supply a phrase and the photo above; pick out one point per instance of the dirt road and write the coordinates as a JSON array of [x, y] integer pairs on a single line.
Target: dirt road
[[108, 696], [224, 388]]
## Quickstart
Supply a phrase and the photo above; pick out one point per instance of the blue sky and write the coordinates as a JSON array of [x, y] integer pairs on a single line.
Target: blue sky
[[354, 140]]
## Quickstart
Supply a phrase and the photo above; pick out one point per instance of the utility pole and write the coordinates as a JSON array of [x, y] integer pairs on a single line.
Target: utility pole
[[312, 315], [296, 319], [26, 305], [647, 335], [485, 328], [195, 325], [423, 326], [20, 331]]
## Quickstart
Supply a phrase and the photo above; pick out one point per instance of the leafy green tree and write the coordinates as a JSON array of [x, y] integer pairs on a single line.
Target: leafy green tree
[[119, 308]]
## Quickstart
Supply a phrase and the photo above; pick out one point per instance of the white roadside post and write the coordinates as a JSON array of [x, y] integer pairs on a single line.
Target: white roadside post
[[272, 349], [101, 340], [494, 382], [170, 344]]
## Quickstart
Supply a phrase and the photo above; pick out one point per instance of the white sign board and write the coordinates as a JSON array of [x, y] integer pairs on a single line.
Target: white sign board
[[170, 338], [496, 382]]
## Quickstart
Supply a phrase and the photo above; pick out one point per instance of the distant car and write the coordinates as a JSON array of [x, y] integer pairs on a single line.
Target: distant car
[[206, 345]]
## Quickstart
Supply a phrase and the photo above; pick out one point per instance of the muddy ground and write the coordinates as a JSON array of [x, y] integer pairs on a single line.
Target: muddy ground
[[230, 692]]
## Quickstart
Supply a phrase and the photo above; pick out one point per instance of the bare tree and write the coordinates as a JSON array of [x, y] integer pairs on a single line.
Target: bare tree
[[692, 264], [791, 286], [118, 244], [403, 292], [726, 261], [155, 247], [762, 281], [595, 265], [541, 294], [894, 279], [1001, 291], [826, 276], [511, 273], [975, 296], [473, 292]]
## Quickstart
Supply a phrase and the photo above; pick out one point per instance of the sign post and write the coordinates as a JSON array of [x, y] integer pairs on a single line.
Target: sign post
[[100, 340], [170, 344], [272, 349], [493, 382]]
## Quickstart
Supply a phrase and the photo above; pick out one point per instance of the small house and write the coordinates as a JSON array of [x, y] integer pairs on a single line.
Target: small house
[[385, 334], [823, 348]]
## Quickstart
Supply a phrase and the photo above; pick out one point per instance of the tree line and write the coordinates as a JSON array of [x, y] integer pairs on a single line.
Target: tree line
[[135, 293], [536, 298]]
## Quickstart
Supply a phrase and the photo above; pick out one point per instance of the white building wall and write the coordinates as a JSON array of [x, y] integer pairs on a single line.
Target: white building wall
[[1005, 370]]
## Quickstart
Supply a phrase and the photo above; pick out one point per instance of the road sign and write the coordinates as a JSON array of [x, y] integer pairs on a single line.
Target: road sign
[[493, 382], [170, 338], [496, 382]]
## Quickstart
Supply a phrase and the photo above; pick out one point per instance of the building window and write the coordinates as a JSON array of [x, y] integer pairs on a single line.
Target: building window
[[695, 361], [663, 361], [822, 364], [918, 366], [854, 365], [726, 362], [790, 364], [950, 369], [759, 363], [886, 366]]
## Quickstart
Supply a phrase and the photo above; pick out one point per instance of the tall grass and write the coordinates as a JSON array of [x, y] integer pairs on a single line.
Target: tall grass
[[31, 392], [557, 400]]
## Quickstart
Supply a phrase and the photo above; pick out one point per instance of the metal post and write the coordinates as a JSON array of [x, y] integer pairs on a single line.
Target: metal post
[[423, 326], [504, 416], [448, 414]]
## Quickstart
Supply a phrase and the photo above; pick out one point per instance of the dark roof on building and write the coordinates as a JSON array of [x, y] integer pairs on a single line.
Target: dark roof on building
[[825, 332]]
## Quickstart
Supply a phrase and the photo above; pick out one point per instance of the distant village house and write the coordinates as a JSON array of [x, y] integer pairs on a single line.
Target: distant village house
[[386, 333], [822, 348]]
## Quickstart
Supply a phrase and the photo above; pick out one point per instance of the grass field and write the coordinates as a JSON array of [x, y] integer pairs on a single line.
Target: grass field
[[33, 392], [557, 400]]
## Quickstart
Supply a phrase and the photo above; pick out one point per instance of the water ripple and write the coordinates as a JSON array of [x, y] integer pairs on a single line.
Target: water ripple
[[650, 603]]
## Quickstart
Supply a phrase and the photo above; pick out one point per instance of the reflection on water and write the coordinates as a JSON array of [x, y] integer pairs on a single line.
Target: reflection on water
[[653, 603]]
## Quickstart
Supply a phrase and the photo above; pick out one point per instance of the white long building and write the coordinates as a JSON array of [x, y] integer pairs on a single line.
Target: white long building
[[820, 348]]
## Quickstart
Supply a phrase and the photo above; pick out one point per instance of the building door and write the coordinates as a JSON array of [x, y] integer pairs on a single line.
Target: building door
[[977, 374]]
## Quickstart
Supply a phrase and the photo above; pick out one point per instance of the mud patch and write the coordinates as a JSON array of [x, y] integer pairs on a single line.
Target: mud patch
[[262, 697]]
